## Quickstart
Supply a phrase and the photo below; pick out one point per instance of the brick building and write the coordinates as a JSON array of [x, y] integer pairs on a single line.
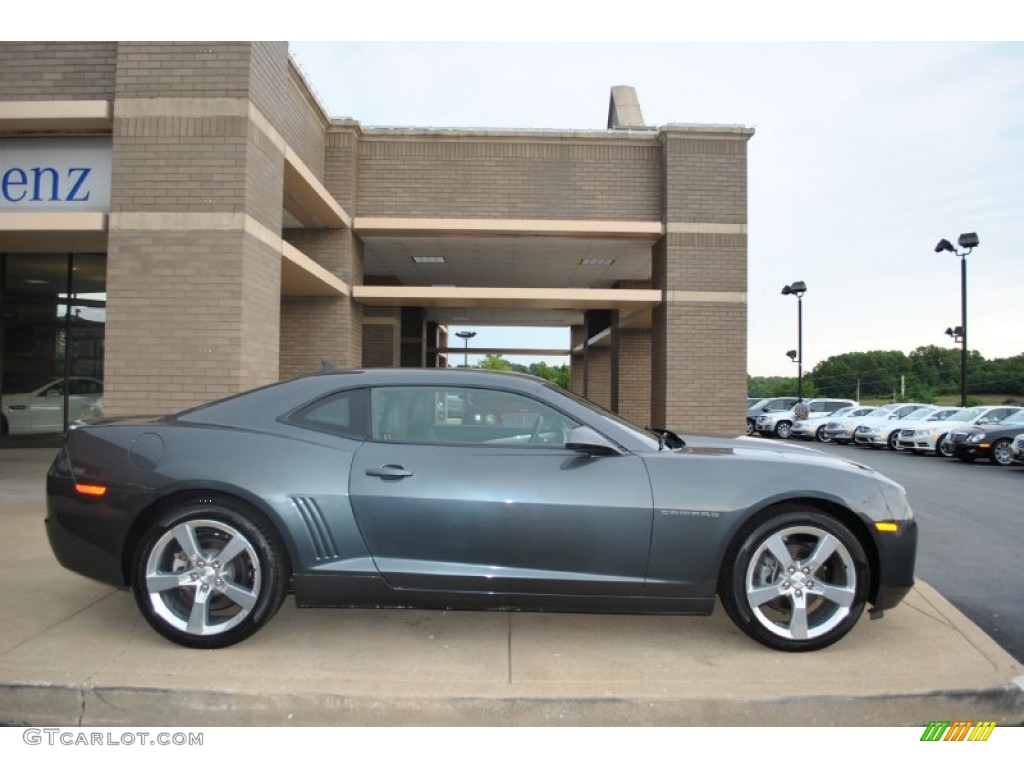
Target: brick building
[[181, 221]]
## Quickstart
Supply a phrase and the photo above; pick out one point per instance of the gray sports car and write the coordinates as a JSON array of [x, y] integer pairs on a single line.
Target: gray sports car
[[467, 489]]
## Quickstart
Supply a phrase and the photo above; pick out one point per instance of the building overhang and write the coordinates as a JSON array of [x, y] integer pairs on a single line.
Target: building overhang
[[307, 199], [83, 116], [644, 230], [48, 231], [511, 298]]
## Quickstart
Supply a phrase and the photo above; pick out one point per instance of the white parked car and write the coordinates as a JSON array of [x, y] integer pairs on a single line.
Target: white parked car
[[884, 432], [814, 428], [841, 430], [780, 423], [930, 436], [42, 410]]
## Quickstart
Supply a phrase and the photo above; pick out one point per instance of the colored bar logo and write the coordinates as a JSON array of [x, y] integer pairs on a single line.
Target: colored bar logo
[[958, 730]]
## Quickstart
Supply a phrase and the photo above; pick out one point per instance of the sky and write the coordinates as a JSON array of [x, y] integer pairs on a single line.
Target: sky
[[865, 155]]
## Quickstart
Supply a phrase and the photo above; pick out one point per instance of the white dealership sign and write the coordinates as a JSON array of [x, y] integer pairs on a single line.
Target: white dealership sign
[[58, 174]]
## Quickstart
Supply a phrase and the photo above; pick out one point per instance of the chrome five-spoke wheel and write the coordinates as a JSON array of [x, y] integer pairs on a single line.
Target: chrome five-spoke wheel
[[796, 582], [207, 576]]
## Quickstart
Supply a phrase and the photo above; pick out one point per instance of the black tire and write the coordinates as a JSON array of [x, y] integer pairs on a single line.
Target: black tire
[[893, 441], [944, 449], [750, 427], [1001, 452], [760, 593], [243, 592], [783, 430], [820, 435]]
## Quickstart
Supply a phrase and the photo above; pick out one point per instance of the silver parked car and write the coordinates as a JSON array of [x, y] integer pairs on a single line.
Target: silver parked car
[[767, 405], [366, 488], [780, 423], [814, 428]]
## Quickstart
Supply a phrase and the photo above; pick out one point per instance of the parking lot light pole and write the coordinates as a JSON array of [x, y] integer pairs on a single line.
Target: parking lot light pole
[[967, 241], [798, 289], [466, 336]]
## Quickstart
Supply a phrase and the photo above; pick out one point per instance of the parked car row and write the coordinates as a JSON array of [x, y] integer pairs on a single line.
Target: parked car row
[[995, 433]]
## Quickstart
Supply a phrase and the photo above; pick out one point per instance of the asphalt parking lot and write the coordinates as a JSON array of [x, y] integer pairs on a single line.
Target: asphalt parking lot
[[74, 652]]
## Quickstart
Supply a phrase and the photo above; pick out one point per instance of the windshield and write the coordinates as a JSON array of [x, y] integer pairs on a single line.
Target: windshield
[[1017, 418], [943, 415], [920, 413], [645, 435], [969, 414]]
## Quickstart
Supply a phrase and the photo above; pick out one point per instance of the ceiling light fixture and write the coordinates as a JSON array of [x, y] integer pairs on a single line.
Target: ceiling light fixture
[[596, 262], [428, 259]]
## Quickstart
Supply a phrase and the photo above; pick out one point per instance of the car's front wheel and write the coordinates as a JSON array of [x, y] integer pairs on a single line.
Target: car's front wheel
[[821, 436], [894, 441], [750, 427], [208, 574], [944, 448], [783, 429], [1002, 453], [795, 581]]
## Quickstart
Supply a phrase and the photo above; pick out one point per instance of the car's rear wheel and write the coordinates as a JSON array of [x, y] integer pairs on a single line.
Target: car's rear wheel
[[208, 574], [795, 581], [783, 429], [1002, 453]]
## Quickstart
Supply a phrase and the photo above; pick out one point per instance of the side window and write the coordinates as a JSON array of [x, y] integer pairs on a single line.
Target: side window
[[465, 415], [343, 413]]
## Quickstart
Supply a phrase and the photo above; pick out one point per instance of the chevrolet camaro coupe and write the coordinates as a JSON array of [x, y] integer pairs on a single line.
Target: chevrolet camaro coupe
[[467, 489]]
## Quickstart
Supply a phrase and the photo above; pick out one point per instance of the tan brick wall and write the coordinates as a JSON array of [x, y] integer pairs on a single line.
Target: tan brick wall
[[698, 347], [193, 311], [429, 176], [323, 328], [189, 316], [599, 378], [50, 71], [705, 180], [635, 375], [149, 70]]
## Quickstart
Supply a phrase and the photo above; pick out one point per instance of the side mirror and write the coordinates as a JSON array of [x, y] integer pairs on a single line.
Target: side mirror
[[585, 440]]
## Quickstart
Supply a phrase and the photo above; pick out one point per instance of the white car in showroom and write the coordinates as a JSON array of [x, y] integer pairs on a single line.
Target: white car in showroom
[[780, 423], [931, 437], [42, 410], [814, 428]]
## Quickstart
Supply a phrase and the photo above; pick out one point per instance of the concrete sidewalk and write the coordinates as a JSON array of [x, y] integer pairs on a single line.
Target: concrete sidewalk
[[74, 652]]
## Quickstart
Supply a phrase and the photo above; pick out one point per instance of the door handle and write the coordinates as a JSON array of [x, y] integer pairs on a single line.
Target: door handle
[[389, 470]]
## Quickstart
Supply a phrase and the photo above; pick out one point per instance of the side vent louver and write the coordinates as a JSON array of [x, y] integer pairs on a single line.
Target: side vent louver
[[319, 534]]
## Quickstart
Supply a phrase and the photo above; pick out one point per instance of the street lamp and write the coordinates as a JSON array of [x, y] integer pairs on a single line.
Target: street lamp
[[798, 289], [956, 334], [968, 241], [466, 336]]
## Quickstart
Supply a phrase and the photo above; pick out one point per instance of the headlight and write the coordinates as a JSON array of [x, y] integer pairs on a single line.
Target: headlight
[[976, 438]]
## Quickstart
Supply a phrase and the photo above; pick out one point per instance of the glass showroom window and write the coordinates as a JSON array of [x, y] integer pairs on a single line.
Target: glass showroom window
[[52, 320]]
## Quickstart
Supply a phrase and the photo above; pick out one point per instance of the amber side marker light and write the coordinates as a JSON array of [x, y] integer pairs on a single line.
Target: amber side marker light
[[887, 527], [90, 490]]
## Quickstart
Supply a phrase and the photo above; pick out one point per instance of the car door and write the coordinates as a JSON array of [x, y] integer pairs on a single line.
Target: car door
[[473, 489]]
